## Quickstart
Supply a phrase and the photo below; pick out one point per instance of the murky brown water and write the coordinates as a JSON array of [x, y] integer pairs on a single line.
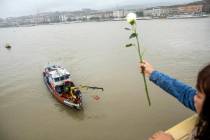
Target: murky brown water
[[94, 54]]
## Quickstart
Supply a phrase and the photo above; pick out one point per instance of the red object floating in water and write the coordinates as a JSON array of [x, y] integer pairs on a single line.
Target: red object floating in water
[[96, 97]]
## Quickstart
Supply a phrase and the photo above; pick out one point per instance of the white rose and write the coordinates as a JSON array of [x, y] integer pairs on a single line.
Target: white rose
[[131, 18]]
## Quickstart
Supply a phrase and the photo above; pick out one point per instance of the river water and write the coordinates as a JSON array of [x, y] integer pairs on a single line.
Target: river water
[[94, 55]]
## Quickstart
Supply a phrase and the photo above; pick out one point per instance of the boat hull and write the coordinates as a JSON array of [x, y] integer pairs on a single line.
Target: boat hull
[[61, 99]]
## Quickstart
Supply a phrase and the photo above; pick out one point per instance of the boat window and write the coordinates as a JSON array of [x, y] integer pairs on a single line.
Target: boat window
[[49, 69], [62, 78], [66, 76], [56, 79], [59, 89]]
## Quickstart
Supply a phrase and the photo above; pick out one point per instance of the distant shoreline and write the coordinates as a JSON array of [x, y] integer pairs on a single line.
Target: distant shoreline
[[117, 19]]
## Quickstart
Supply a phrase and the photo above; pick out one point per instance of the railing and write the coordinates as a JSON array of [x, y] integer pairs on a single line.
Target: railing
[[183, 130]]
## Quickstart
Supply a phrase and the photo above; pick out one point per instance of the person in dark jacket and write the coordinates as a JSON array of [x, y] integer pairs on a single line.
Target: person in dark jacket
[[197, 99]]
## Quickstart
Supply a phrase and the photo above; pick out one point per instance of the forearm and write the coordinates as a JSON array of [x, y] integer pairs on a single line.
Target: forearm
[[181, 91]]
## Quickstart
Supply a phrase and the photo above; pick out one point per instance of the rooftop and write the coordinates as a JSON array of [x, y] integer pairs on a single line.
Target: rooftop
[[57, 71]]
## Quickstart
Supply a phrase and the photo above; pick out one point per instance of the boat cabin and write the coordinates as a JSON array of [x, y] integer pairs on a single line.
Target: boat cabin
[[58, 75], [59, 78]]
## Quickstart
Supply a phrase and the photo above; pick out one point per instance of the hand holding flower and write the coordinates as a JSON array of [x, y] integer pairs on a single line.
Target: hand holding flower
[[146, 68]]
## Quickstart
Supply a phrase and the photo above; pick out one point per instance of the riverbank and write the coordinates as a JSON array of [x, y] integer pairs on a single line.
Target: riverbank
[[115, 19]]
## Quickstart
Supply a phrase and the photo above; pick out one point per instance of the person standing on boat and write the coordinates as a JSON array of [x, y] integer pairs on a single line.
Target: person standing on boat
[[197, 100], [72, 92]]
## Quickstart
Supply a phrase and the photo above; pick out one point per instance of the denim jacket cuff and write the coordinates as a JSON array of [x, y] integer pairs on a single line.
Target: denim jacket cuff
[[154, 75]]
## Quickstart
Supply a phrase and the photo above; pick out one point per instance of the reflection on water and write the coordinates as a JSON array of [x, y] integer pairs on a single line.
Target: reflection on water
[[94, 55]]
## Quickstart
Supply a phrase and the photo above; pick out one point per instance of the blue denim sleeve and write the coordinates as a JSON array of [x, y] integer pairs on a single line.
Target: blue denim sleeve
[[184, 93]]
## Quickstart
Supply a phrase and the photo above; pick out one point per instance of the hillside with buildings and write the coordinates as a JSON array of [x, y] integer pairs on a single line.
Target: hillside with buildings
[[198, 9], [195, 8]]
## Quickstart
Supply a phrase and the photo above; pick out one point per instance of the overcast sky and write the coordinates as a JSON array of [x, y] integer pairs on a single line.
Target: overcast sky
[[12, 8]]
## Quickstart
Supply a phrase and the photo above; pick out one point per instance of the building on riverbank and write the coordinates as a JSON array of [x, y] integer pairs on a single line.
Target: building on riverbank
[[206, 6], [195, 8], [161, 11]]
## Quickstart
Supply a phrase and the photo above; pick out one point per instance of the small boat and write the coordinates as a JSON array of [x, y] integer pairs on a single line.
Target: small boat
[[8, 46], [58, 81]]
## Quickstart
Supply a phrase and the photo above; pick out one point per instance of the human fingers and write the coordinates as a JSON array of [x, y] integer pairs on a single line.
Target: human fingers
[[144, 64], [142, 67], [157, 133], [151, 138]]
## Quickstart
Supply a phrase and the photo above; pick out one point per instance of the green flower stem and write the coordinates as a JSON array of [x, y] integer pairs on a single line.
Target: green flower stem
[[141, 60]]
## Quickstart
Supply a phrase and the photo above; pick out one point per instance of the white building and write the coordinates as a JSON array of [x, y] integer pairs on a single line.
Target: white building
[[156, 12], [148, 12], [118, 14], [107, 14]]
